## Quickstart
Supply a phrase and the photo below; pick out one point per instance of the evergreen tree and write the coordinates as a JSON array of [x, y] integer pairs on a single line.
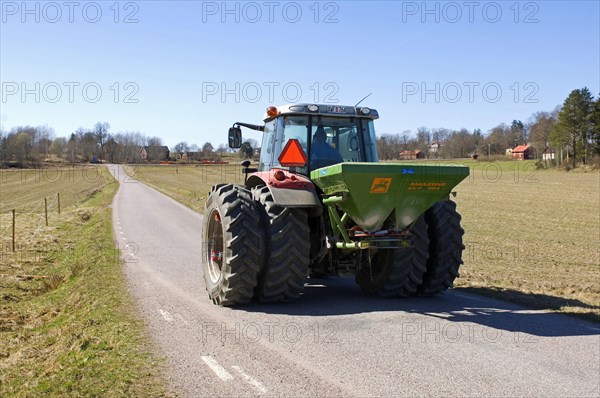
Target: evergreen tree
[[595, 131], [574, 124]]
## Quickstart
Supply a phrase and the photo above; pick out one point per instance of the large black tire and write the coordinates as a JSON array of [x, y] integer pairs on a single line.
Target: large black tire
[[445, 248], [287, 246], [395, 272], [231, 248]]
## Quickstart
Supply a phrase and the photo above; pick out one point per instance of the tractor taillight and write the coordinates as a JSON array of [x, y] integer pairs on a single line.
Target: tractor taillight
[[279, 175]]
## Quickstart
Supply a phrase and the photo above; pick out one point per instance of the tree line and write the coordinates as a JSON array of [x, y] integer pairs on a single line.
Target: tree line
[[571, 130], [31, 145]]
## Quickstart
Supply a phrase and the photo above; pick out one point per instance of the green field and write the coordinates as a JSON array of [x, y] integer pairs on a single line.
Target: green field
[[531, 235], [24, 189], [67, 323]]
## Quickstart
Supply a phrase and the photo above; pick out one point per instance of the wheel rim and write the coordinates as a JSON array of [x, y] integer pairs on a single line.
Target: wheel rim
[[214, 252]]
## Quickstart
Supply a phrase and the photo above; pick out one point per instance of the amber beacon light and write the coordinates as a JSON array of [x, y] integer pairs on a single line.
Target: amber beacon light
[[272, 111]]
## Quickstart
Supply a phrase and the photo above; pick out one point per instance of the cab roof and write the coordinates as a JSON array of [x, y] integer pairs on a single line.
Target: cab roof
[[320, 109]]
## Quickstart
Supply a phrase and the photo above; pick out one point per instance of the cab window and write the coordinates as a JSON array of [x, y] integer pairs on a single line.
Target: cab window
[[342, 140], [266, 154], [291, 127]]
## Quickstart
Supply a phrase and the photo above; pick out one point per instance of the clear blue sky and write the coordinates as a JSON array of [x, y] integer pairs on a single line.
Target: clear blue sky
[[174, 55]]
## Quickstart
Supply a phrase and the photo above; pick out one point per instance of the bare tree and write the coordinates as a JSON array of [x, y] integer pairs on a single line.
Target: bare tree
[[207, 150], [101, 133], [181, 147], [423, 140], [222, 149], [541, 126], [155, 141], [59, 147]]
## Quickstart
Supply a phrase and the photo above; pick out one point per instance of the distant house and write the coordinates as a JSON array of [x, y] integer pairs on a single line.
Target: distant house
[[509, 152], [523, 152], [434, 147], [192, 156], [155, 153], [409, 155], [548, 154]]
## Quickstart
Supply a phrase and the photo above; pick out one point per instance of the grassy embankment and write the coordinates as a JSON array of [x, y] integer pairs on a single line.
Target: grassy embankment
[[67, 324], [531, 235]]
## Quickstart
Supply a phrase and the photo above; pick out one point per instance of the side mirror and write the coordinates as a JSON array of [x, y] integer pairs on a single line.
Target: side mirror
[[354, 143], [235, 137]]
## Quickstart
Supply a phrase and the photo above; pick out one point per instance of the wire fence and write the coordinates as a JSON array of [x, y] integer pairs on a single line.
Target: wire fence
[[25, 226]]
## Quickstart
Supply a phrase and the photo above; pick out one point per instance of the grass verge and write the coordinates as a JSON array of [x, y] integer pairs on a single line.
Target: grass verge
[[66, 321]]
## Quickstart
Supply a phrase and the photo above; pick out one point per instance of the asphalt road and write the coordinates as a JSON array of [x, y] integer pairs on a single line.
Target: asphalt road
[[335, 341]]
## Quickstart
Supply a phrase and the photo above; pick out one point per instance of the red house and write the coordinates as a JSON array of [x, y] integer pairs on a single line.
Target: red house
[[409, 155], [522, 152]]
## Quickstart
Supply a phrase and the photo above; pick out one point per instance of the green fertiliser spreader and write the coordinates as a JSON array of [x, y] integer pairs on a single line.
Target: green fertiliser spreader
[[320, 203]]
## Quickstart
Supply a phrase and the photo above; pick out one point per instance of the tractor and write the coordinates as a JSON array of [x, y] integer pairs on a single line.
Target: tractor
[[320, 203]]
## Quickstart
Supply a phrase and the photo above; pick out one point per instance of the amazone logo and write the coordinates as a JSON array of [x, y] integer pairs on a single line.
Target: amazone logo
[[380, 185]]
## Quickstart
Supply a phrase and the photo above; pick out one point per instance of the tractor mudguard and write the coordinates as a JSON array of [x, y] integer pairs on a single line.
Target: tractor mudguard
[[291, 190]]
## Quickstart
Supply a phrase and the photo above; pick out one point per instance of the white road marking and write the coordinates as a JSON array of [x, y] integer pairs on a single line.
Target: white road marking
[[531, 312], [121, 232], [166, 315], [218, 369], [439, 314], [124, 238], [255, 383]]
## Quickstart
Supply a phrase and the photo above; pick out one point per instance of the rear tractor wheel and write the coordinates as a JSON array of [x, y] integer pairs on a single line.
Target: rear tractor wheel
[[395, 272], [231, 248], [287, 246], [445, 248]]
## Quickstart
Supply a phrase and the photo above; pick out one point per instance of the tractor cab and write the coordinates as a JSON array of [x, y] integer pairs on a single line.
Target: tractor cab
[[304, 137]]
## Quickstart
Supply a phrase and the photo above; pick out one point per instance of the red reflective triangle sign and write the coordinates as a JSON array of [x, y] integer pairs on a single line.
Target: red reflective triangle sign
[[292, 154]]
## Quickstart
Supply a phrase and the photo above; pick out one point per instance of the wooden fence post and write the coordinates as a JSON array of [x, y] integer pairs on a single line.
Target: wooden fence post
[[58, 201], [46, 210], [13, 230]]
